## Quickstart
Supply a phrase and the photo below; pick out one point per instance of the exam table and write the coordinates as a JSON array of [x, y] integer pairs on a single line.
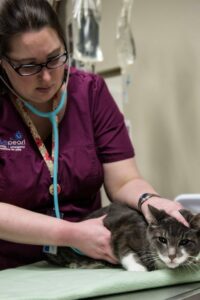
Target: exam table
[[42, 281], [179, 292]]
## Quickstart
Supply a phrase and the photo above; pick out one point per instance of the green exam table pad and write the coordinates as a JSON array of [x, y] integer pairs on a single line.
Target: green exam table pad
[[43, 281]]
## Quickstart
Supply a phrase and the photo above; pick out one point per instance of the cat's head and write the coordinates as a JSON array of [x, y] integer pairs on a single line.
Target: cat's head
[[173, 243]]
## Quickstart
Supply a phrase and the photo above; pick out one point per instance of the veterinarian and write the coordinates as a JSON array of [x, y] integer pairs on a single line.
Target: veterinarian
[[61, 138]]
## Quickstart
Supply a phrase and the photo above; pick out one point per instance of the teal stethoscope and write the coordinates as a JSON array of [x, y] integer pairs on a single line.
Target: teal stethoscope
[[52, 116]]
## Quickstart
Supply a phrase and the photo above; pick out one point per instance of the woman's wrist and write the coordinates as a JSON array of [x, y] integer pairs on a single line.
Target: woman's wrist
[[63, 233], [144, 197]]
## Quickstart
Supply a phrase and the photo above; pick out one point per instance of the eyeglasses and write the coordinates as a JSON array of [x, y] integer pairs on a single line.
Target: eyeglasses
[[32, 69]]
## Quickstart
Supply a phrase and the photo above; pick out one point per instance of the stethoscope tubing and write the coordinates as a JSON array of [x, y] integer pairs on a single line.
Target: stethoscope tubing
[[52, 117]]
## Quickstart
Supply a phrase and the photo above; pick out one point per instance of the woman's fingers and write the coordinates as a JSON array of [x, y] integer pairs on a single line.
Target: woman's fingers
[[177, 215], [170, 207]]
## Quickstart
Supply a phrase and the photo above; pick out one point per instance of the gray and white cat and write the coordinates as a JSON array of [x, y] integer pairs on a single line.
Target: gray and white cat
[[165, 243]]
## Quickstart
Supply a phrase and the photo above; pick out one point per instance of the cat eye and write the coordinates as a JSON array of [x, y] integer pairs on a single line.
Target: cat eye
[[162, 240], [184, 242]]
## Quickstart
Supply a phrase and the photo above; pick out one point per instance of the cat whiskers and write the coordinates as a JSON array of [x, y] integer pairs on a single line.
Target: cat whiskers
[[148, 256], [191, 263], [189, 266]]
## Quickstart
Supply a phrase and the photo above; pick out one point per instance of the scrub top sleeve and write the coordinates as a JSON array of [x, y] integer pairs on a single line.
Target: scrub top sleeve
[[110, 133]]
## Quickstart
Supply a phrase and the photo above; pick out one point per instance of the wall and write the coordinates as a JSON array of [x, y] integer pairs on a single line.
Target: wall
[[164, 95]]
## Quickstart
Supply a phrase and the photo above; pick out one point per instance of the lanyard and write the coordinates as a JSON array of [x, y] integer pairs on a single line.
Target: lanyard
[[50, 160]]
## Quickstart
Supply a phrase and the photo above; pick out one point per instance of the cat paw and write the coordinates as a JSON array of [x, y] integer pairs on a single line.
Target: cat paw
[[137, 268], [130, 263]]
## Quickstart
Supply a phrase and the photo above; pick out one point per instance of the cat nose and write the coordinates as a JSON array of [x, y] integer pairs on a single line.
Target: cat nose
[[172, 256]]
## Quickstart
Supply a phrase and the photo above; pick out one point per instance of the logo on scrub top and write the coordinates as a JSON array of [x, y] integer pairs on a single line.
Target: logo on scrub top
[[14, 143]]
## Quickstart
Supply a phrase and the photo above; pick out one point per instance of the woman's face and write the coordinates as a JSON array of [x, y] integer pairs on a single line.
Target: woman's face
[[35, 47]]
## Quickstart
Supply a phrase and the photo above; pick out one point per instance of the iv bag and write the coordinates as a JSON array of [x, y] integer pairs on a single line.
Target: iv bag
[[86, 19], [126, 51]]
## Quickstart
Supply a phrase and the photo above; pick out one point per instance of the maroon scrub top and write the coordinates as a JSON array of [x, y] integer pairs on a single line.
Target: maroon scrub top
[[92, 132]]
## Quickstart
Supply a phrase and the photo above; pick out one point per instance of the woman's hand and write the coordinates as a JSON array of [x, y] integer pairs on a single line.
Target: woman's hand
[[172, 208], [93, 239]]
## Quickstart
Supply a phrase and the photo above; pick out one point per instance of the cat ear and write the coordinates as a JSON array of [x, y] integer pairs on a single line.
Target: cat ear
[[157, 214], [195, 221], [188, 215]]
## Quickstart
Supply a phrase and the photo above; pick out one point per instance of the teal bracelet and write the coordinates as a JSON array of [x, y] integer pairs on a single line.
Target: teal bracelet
[[144, 197]]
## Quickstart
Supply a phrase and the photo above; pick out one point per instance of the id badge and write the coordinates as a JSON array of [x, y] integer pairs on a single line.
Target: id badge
[[50, 249]]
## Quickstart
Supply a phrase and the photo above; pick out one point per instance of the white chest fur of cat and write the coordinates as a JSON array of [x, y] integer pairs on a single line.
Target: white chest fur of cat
[[130, 263], [139, 247]]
